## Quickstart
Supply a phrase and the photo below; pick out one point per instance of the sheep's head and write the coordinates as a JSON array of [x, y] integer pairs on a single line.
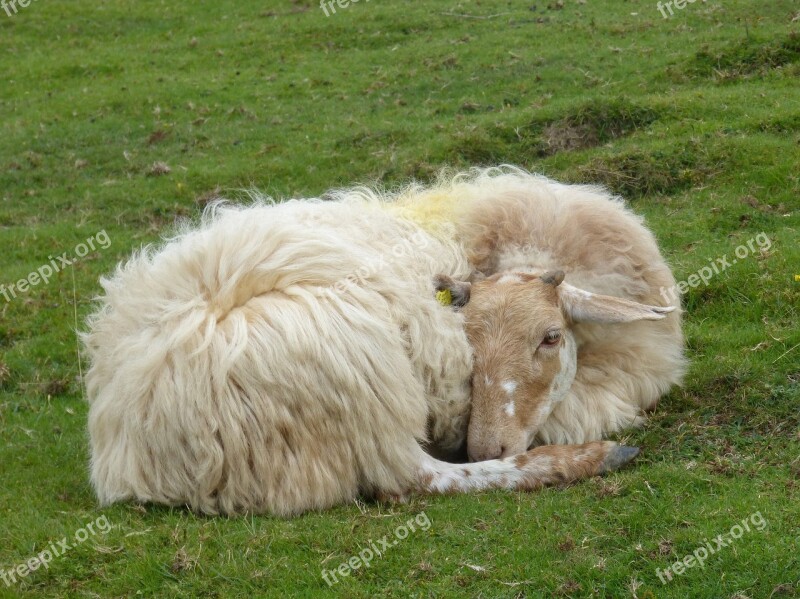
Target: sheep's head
[[525, 356]]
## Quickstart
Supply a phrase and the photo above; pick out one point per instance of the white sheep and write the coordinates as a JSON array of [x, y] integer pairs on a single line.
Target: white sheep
[[290, 356]]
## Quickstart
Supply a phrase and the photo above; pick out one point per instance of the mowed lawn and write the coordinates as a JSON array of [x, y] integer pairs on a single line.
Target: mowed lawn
[[119, 118]]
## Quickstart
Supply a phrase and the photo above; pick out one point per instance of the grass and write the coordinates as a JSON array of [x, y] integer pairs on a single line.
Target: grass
[[695, 119]]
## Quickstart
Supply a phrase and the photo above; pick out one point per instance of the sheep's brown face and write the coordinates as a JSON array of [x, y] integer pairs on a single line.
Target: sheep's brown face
[[524, 361], [525, 356]]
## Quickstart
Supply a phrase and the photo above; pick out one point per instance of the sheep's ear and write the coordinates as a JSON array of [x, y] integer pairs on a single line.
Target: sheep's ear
[[583, 306], [450, 292]]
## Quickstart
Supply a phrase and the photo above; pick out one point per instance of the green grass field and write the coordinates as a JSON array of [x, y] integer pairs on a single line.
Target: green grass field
[[694, 118]]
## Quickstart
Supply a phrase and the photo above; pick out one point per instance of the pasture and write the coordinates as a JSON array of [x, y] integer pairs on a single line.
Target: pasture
[[119, 118]]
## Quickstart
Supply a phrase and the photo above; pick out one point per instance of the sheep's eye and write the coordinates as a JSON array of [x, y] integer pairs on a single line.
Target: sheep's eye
[[551, 339]]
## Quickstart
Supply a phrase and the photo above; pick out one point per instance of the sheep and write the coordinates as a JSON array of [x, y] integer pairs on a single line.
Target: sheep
[[286, 357], [564, 352]]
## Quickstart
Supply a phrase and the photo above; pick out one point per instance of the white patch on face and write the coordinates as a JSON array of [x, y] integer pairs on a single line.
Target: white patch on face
[[509, 387], [509, 408], [487, 381]]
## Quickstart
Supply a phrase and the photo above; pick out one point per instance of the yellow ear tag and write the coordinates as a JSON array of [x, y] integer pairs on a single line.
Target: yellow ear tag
[[445, 297]]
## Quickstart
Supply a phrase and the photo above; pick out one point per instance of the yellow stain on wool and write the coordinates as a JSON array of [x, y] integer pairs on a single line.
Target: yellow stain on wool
[[433, 211]]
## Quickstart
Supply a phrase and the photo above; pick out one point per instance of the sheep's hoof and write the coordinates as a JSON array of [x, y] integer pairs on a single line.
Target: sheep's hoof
[[618, 457]]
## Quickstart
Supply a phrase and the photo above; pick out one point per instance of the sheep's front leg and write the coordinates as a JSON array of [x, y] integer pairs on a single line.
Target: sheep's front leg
[[536, 468]]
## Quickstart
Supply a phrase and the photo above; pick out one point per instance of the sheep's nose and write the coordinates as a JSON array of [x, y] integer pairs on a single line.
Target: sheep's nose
[[491, 451]]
